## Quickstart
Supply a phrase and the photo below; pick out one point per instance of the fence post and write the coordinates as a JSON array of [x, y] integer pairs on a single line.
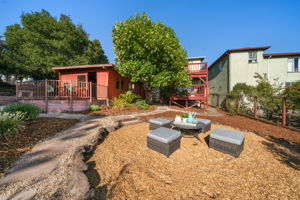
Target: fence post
[[283, 111], [255, 107], [238, 104], [71, 100], [46, 95], [218, 100], [227, 103], [17, 90], [91, 92]]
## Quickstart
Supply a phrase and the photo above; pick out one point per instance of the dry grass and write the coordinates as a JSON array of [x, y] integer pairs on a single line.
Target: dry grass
[[122, 167]]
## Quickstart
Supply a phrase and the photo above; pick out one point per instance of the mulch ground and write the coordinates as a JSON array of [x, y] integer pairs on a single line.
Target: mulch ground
[[244, 123], [13, 146], [122, 167], [108, 110]]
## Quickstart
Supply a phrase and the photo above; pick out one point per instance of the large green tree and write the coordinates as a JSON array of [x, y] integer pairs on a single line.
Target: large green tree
[[149, 52], [41, 42]]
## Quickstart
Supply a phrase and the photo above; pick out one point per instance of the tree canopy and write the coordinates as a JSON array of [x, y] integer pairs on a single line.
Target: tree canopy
[[41, 42], [149, 52]]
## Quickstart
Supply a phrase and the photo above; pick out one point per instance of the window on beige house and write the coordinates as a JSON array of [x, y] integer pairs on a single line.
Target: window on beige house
[[252, 57], [293, 65]]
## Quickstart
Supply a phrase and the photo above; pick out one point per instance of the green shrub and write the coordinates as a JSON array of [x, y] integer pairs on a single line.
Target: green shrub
[[10, 122], [185, 115], [129, 96], [30, 110], [119, 103], [142, 105], [94, 108]]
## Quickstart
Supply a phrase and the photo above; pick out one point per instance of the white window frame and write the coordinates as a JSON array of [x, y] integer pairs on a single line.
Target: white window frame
[[252, 57], [291, 65]]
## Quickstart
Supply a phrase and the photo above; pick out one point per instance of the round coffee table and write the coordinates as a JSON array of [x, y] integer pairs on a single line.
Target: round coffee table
[[188, 130]]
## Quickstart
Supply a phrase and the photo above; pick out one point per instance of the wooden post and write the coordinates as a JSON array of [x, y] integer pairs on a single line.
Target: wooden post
[[46, 95], [283, 111], [238, 104], [91, 92], [17, 90], [218, 100], [255, 107], [71, 100]]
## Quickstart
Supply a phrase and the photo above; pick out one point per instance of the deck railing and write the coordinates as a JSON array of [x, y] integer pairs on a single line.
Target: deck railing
[[197, 68], [60, 89], [197, 90]]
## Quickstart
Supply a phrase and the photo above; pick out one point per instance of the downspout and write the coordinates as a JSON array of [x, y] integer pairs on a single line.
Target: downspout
[[229, 78], [268, 67]]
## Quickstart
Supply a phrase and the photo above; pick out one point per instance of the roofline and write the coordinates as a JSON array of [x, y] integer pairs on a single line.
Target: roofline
[[282, 54], [195, 58], [56, 69], [237, 50], [249, 48]]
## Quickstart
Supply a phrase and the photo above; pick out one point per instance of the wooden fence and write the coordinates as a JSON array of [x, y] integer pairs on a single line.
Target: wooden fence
[[255, 109], [60, 90]]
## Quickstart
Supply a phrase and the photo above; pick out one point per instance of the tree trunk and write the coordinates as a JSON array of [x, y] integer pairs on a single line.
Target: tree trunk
[[149, 95]]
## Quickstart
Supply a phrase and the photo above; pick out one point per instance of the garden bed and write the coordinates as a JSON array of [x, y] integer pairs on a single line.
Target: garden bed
[[244, 123], [122, 167], [34, 130], [108, 110]]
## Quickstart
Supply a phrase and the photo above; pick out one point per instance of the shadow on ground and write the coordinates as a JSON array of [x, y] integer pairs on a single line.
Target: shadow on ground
[[287, 153], [93, 175]]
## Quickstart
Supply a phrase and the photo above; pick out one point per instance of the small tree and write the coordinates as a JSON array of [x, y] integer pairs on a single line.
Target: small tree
[[150, 53], [268, 94], [293, 94]]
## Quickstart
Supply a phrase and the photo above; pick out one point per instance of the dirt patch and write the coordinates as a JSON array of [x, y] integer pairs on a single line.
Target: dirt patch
[[122, 167], [13, 146], [244, 123]]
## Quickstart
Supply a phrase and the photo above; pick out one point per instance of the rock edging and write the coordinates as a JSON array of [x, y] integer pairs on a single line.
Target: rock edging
[[78, 187]]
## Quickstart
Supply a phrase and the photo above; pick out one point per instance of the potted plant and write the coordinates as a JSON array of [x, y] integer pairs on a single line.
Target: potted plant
[[184, 117]]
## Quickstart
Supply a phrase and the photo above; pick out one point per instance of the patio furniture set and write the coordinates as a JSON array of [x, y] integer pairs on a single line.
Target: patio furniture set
[[165, 136]]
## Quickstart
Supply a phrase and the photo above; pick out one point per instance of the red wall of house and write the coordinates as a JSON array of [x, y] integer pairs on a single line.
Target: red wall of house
[[112, 90], [71, 75], [106, 77]]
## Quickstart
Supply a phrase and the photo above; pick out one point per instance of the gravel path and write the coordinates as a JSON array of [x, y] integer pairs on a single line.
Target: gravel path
[[63, 115]]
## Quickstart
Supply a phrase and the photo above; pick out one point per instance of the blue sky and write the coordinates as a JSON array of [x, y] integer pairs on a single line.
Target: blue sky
[[205, 28]]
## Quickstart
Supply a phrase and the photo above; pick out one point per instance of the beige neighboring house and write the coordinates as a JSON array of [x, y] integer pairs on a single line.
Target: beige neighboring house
[[239, 66]]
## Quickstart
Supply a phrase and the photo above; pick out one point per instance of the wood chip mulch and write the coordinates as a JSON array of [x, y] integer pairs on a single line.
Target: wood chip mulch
[[108, 110], [122, 167], [13, 146]]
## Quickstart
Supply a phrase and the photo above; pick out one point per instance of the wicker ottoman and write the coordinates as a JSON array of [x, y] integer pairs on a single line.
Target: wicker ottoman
[[207, 124], [159, 122], [164, 140], [227, 141]]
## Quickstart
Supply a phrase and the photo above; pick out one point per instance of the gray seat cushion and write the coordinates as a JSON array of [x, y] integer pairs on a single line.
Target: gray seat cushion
[[233, 137], [164, 135], [160, 121], [204, 121]]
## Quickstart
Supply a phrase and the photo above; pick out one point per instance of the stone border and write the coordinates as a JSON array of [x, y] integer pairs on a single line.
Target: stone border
[[78, 186]]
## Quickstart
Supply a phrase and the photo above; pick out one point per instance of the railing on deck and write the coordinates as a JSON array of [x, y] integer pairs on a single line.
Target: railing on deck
[[197, 68], [197, 90], [60, 89]]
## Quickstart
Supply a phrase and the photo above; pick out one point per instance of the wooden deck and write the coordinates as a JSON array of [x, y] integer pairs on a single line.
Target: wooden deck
[[198, 92]]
